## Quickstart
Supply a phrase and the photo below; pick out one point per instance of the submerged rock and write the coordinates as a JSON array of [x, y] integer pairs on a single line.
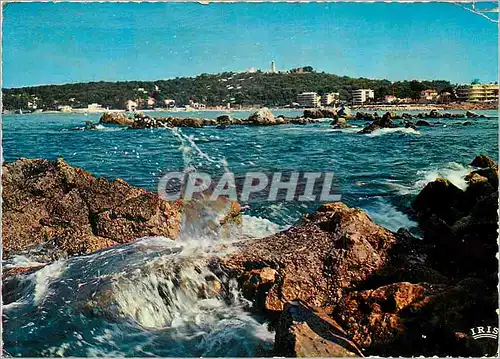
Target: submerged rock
[[422, 123]]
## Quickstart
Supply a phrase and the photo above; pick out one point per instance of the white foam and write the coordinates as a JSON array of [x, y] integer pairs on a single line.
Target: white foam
[[388, 216], [452, 171], [258, 227], [385, 131], [45, 276], [20, 260]]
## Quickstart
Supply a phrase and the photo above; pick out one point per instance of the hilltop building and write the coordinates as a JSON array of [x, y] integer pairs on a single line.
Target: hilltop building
[[308, 99], [360, 96], [478, 93], [272, 70], [330, 98]]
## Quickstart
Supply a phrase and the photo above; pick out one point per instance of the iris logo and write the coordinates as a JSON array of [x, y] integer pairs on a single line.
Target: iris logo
[[484, 332]]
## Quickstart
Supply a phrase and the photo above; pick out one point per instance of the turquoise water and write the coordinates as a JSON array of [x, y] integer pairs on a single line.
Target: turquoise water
[[380, 173]]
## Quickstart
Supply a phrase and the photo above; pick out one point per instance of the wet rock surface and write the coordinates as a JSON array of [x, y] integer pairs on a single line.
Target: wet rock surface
[[392, 294], [331, 284], [331, 249], [307, 332], [54, 205]]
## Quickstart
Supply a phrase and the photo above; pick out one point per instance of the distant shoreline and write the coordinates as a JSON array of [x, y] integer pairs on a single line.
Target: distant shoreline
[[400, 107]]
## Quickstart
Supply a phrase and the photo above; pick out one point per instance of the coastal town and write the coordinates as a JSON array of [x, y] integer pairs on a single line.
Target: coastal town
[[475, 95]]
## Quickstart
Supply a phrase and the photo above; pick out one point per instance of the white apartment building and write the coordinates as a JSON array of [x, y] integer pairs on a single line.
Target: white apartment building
[[308, 99], [362, 95], [330, 98], [478, 93]]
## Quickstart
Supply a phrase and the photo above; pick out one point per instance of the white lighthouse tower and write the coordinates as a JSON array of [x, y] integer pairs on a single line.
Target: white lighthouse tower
[[273, 67]]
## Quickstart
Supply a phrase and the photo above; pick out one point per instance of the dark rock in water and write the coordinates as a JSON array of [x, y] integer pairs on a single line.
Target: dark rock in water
[[309, 332], [434, 114], [467, 123], [344, 112], [365, 116], [313, 113], [145, 122], [441, 198], [462, 224], [378, 123], [329, 251], [64, 207], [224, 120], [387, 118], [320, 113], [222, 127], [409, 124], [116, 118], [483, 161], [471, 114], [262, 116], [422, 123], [329, 113], [375, 125]]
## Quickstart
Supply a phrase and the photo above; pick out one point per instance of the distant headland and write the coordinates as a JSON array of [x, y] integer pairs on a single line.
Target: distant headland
[[297, 88]]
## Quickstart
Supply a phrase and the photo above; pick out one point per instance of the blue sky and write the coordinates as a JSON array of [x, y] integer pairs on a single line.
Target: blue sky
[[45, 43]]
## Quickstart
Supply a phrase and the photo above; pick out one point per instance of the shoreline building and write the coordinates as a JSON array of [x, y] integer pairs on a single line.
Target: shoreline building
[[360, 96], [330, 98], [308, 99], [428, 95], [478, 93]]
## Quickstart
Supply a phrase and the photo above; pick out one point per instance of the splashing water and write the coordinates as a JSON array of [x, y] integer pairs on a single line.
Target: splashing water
[[154, 296]]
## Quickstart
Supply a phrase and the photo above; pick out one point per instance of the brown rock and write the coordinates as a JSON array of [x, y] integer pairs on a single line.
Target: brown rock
[[309, 332], [116, 118], [332, 249], [373, 317], [67, 209], [262, 116], [483, 161], [441, 198]]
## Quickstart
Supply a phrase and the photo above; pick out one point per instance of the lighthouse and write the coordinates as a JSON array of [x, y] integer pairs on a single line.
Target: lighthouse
[[273, 67]]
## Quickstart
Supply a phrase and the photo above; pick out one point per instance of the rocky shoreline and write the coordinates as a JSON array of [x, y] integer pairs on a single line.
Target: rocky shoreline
[[264, 117], [335, 284]]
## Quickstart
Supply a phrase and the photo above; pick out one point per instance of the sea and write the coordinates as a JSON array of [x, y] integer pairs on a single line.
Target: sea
[[150, 297]]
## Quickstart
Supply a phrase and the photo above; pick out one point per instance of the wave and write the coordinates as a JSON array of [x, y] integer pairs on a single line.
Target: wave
[[154, 296], [452, 171], [385, 131], [387, 215], [258, 227]]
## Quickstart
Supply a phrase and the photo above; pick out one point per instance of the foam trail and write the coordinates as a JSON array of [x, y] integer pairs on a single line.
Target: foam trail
[[452, 171], [385, 131]]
